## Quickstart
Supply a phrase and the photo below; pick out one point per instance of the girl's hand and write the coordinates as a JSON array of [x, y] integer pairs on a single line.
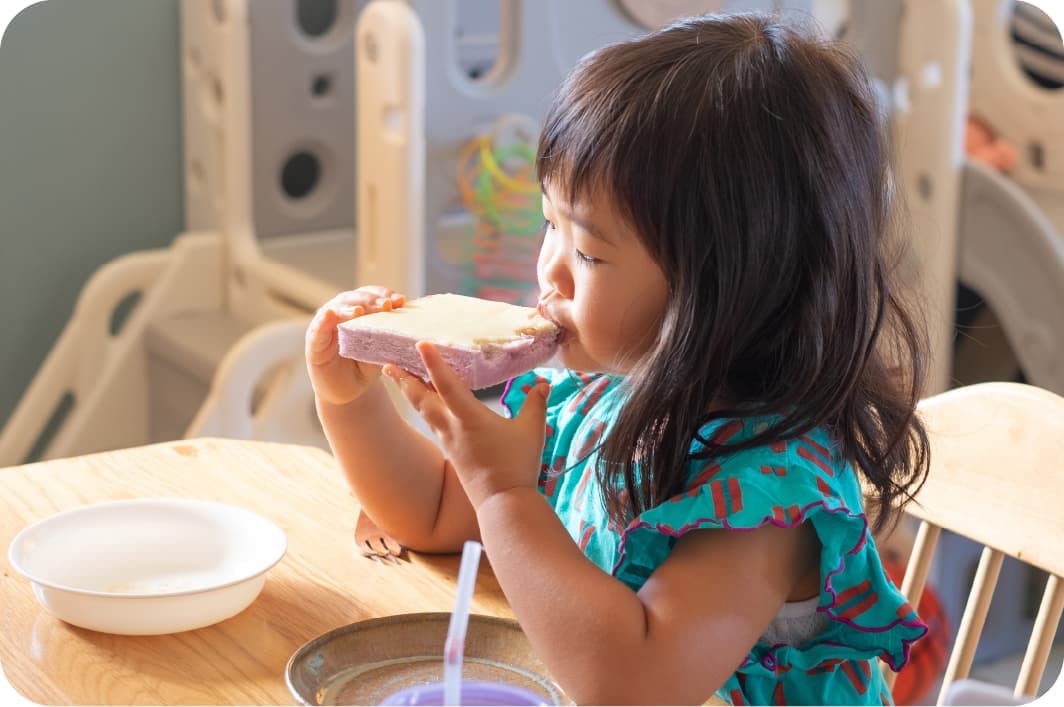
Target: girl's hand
[[490, 453], [337, 380]]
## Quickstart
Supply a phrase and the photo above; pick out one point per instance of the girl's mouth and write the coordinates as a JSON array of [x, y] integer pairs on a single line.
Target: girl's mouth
[[541, 309], [563, 333]]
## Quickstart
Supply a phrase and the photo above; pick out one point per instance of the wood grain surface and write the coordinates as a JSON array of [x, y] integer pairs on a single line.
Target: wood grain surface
[[322, 582]]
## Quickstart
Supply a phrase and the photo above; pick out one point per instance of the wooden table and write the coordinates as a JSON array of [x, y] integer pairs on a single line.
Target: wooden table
[[321, 583]]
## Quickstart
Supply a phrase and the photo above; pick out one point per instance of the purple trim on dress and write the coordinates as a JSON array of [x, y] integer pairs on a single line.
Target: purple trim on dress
[[505, 392], [827, 588]]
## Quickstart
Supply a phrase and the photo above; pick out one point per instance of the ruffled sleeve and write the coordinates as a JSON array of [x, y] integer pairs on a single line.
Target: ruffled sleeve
[[785, 485]]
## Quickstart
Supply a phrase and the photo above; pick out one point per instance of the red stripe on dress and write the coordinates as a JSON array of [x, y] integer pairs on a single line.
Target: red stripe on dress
[[578, 493], [586, 537], [861, 607], [817, 446], [824, 667], [736, 493], [853, 591], [708, 473], [583, 481], [588, 396], [574, 404], [858, 684], [591, 441], [727, 431], [595, 394], [805, 453], [719, 506]]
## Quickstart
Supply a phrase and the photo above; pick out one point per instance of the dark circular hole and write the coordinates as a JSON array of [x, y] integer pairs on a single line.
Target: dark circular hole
[[924, 186], [217, 92], [300, 174], [372, 50], [1036, 154], [315, 17], [321, 85]]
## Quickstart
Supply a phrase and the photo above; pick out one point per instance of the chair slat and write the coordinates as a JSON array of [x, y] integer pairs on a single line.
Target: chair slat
[[912, 586], [971, 627], [1045, 627]]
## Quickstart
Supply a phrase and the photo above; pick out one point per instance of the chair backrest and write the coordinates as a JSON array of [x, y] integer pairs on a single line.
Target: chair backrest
[[997, 477]]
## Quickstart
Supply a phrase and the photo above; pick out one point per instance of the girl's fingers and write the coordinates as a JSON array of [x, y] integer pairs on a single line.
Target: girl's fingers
[[454, 393], [321, 331], [373, 298], [322, 328], [420, 396]]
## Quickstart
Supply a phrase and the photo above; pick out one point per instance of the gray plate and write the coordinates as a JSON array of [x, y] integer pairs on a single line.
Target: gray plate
[[364, 662]]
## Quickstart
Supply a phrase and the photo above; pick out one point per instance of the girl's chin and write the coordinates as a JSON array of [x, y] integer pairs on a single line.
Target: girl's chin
[[573, 357], [567, 353]]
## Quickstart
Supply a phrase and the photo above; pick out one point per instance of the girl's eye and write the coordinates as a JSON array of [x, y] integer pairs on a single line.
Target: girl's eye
[[586, 259]]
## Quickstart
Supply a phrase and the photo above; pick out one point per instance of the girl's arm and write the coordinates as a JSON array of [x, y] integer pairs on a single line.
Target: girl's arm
[[677, 640], [398, 474]]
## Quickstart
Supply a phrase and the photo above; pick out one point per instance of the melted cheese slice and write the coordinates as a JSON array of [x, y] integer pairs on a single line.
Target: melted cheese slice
[[456, 320]]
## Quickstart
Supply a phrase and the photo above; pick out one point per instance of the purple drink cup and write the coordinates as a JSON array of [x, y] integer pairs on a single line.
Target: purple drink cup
[[474, 692]]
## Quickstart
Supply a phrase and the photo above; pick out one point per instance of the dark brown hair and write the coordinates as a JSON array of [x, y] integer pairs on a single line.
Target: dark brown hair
[[750, 158]]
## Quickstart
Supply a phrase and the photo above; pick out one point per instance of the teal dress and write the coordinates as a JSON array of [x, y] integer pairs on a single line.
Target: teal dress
[[784, 484]]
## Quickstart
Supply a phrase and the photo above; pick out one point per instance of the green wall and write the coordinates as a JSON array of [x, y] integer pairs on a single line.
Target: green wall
[[90, 160]]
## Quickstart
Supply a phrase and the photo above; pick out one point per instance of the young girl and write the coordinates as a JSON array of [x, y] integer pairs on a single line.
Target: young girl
[[679, 512]]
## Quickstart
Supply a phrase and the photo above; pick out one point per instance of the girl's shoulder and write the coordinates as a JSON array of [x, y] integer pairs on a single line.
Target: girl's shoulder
[[785, 484], [808, 466], [782, 483]]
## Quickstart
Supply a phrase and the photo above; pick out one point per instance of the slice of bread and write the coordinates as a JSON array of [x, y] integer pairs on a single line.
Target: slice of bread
[[485, 342]]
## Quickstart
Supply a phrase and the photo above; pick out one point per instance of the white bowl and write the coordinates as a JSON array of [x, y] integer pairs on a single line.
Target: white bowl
[[148, 566]]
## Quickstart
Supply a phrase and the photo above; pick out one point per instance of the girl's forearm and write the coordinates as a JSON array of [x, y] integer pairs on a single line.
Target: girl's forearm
[[588, 627], [398, 474]]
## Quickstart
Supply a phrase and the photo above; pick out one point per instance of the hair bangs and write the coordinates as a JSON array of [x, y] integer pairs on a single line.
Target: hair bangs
[[585, 147]]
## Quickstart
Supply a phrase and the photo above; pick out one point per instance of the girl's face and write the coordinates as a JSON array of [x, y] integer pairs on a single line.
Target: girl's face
[[599, 284]]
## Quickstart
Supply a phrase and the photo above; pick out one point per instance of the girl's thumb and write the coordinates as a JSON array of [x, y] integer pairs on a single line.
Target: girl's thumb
[[534, 411]]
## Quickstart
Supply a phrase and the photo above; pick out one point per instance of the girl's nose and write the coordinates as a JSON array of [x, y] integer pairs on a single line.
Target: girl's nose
[[554, 274]]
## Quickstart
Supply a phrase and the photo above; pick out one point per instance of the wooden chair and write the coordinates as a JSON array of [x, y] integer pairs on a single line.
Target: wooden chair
[[997, 477]]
